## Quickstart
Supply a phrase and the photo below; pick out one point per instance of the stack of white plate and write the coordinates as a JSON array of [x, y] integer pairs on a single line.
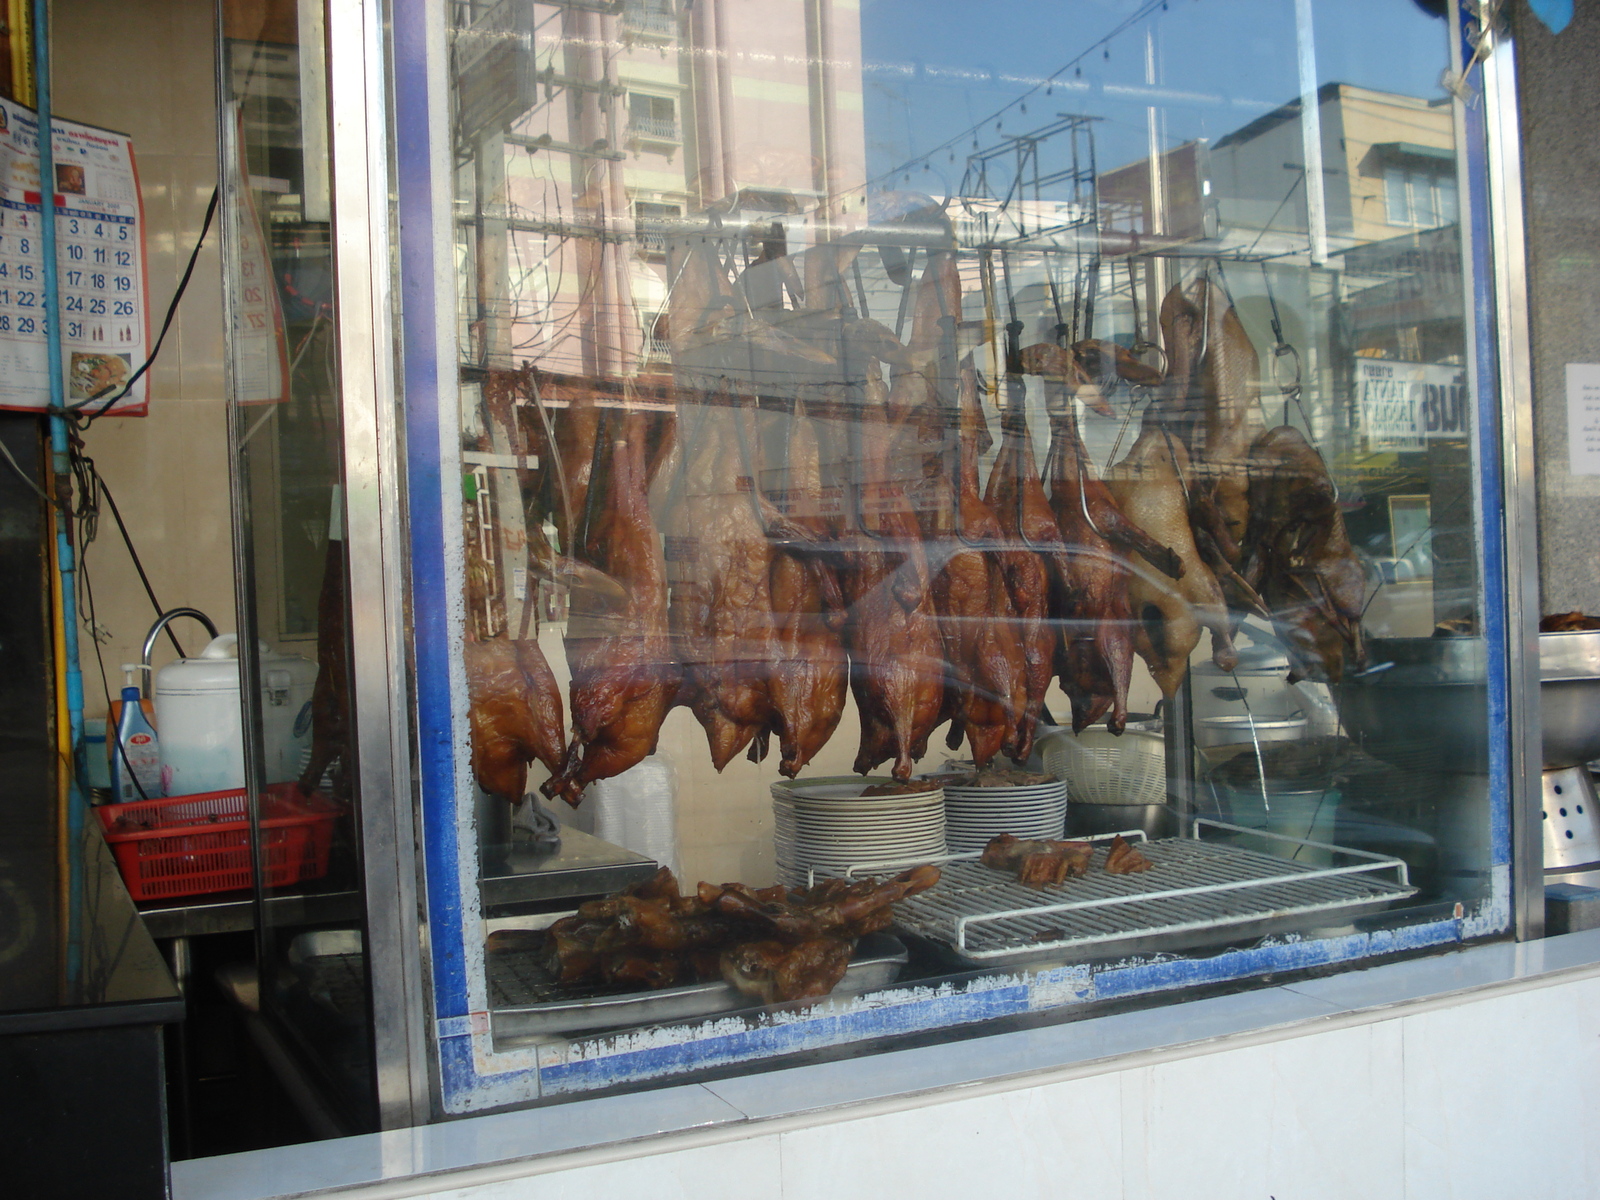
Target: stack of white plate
[[827, 825], [974, 815]]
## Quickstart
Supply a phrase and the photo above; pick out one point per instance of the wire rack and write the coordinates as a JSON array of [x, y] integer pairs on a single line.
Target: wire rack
[[1193, 888]]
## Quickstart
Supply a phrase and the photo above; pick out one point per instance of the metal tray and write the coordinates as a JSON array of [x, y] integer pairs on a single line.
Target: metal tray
[[526, 1002], [1198, 893]]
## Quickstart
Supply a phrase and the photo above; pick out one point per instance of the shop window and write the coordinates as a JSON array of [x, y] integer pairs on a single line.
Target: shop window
[[1048, 446]]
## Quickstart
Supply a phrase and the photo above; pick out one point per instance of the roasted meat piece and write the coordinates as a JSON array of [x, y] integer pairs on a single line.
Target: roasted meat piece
[[1033, 541], [986, 687], [1123, 859], [773, 972], [1300, 559], [515, 714], [1151, 486], [1037, 863], [624, 677], [1568, 622], [721, 612], [849, 909], [810, 672], [772, 943], [896, 657]]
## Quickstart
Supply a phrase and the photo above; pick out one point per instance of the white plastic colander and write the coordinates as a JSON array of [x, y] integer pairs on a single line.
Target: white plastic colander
[[1102, 768]]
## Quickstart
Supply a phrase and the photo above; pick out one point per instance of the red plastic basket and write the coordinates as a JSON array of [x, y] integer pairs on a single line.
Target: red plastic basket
[[189, 845]]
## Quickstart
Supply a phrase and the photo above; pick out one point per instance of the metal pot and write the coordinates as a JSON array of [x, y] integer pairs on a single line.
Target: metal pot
[[1423, 704], [1569, 697], [1246, 729]]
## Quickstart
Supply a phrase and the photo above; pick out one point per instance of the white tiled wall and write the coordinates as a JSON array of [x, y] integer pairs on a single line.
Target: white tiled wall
[[144, 67], [1488, 1098]]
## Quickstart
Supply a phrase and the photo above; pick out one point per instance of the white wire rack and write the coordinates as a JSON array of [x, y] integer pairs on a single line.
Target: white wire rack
[[1194, 888]]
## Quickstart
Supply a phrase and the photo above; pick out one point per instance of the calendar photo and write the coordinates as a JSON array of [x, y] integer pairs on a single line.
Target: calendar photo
[[100, 267]]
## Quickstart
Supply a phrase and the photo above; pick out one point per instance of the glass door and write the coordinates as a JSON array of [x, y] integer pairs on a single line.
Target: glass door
[[285, 425]]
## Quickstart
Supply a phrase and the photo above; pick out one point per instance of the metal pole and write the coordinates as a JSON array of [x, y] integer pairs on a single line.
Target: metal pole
[[60, 456], [1311, 132]]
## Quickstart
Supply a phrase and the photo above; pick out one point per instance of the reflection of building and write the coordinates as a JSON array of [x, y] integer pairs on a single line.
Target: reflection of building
[[1388, 167], [626, 118]]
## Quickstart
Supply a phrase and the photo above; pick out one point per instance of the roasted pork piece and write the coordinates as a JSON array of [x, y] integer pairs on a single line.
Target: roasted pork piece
[[1123, 859], [775, 944], [1037, 863]]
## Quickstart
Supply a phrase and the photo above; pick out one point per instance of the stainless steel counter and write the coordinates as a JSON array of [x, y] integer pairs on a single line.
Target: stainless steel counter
[[516, 875], [233, 912]]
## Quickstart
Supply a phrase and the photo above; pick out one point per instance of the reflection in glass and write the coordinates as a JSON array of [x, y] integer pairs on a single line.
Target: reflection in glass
[[285, 427], [861, 389]]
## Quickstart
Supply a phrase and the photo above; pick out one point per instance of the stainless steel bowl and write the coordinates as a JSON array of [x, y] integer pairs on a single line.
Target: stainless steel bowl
[[1569, 697], [1241, 729], [1423, 704]]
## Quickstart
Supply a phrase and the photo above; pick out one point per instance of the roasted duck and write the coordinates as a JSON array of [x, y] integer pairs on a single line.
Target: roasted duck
[[986, 685], [624, 677], [721, 612], [1299, 557], [1095, 657], [1033, 549], [1150, 486], [515, 717], [1213, 376], [896, 656], [810, 671], [919, 384]]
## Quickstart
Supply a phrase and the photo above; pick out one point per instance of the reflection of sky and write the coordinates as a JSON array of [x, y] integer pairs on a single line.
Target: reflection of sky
[[935, 68]]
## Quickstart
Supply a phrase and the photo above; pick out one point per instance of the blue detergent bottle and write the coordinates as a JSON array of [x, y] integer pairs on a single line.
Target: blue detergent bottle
[[136, 757]]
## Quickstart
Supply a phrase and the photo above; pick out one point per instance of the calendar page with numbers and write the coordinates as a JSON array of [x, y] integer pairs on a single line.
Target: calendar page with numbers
[[100, 264]]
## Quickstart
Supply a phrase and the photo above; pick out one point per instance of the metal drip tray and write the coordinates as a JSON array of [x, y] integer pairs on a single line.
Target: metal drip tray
[[526, 1001], [1196, 892]]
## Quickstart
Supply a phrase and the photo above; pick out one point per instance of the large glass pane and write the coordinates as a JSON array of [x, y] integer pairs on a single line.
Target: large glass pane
[[285, 426], [871, 389]]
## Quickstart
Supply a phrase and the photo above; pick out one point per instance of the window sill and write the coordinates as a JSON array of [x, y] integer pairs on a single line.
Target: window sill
[[527, 1142]]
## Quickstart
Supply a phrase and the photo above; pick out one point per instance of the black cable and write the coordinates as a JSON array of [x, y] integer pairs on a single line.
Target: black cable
[[166, 324], [134, 554], [112, 734]]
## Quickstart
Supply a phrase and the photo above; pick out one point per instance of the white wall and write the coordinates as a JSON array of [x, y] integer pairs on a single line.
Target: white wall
[[1492, 1097], [1472, 1073]]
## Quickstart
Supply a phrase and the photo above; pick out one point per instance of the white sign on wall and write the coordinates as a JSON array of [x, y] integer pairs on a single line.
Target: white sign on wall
[[1404, 404], [1583, 418]]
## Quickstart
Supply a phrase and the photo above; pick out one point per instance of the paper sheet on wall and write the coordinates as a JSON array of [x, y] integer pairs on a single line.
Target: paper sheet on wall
[[258, 348], [1583, 418], [100, 264]]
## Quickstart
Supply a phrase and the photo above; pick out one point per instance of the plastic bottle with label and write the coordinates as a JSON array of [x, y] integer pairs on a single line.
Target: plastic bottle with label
[[136, 758]]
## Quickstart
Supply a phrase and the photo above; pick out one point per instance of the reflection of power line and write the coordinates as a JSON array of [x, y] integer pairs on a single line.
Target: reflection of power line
[[1045, 84]]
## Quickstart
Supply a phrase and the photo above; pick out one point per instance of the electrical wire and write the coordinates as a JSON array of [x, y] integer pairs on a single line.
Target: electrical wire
[[87, 418]]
